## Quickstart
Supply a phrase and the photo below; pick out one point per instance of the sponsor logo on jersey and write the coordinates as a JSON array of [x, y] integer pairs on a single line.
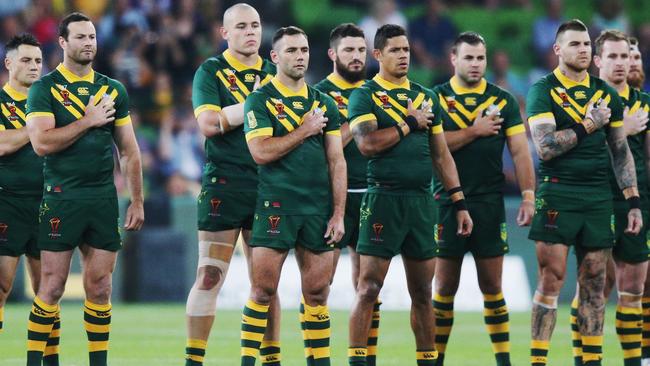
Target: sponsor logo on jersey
[[297, 105], [470, 101], [249, 78], [580, 94], [83, 91], [402, 96]]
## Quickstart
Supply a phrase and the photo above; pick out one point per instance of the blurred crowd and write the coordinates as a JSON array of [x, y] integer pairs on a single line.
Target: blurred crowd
[[154, 47]]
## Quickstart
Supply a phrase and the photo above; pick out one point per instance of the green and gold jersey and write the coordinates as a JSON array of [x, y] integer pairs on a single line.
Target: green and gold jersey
[[340, 91], [406, 167], [555, 96], [84, 170], [635, 100], [479, 163], [21, 172], [220, 82], [297, 183]]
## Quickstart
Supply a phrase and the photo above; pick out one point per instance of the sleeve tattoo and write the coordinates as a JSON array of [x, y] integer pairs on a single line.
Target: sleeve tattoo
[[550, 143]]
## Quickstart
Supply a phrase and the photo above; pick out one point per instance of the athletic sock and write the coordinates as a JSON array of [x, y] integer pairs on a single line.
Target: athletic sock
[[645, 342], [371, 358], [253, 326], [628, 329], [97, 322], [357, 356], [426, 357], [576, 338], [443, 307], [317, 326], [39, 327], [309, 355], [538, 353], [270, 353], [497, 321], [195, 352], [592, 350], [2, 317], [51, 354]]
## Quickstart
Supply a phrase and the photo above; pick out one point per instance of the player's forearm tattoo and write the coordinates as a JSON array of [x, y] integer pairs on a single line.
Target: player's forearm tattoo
[[550, 143], [622, 160], [543, 322], [591, 279]]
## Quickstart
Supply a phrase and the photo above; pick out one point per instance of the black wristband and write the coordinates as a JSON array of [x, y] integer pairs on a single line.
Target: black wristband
[[412, 122], [460, 205], [580, 130], [634, 202], [454, 190], [399, 131]]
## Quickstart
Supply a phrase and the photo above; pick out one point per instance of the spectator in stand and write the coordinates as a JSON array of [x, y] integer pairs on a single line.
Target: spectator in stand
[[543, 39], [644, 47], [381, 12], [609, 15], [502, 75], [431, 35]]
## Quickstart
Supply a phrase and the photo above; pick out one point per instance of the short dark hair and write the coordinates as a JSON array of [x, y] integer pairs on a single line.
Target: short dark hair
[[573, 24], [287, 31], [471, 38], [633, 41], [71, 18], [345, 30], [21, 39], [609, 35], [386, 32]]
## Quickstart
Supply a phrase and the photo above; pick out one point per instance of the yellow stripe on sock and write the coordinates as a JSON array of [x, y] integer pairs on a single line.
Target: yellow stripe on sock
[[197, 343], [539, 344], [374, 333], [195, 358], [357, 352], [319, 333], [257, 307], [55, 333], [51, 350], [501, 347], [39, 328], [628, 324], [629, 338], [426, 355], [443, 330], [308, 352], [47, 307], [538, 359], [97, 346], [444, 314], [498, 328], [586, 357], [270, 344], [628, 310], [36, 345], [593, 340], [321, 352], [372, 350], [495, 312], [248, 351], [444, 299], [495, 297], [254, 321], [312, 313], [632, 353], [97, 328], [97, 307], [252, 336]]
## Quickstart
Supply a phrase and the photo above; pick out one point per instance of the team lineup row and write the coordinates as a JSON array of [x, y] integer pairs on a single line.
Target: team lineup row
[[270, 137]]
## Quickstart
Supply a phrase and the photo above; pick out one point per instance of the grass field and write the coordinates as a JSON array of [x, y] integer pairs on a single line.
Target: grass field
[[155, 335]]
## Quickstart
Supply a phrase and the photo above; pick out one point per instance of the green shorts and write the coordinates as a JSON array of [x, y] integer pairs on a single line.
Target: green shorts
[[220, 209], [65, 224], [352, 206], [284, 232], [574, 217], [629, 248], [19, 226], [393, 224], [489, 236]]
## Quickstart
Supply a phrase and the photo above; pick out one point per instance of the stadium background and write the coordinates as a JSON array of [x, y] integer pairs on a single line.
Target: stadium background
[[154, 47]]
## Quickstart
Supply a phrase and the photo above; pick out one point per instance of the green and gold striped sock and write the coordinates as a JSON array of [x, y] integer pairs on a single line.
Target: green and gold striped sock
[[576, 338], [317, 326], [538, 353], [309, 356], [2, 318], [371, 358], [426, 357], [195, 352], [39, 327], [497, 321], [443, 307], [51, 354], [592, 350], [253, 326], [628, 329], [645, 342], [270, 353], [97, 322], [357, 356]]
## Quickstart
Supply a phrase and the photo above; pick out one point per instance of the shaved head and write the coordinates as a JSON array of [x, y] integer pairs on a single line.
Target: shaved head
[[231, 14]]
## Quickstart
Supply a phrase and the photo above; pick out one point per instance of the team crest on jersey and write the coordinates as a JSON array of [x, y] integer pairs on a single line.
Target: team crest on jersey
[[65, 95], [11, 107], [377, 228], [55, 225], [451, 104], [214, 207], [564, 97], [232, 80], [383, 98], [551, 219], [274, 222], [278, 104], [470, 101], [364, 213], [3, 231], [338, 98]]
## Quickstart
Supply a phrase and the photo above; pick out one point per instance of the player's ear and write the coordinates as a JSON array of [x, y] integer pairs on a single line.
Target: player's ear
[[376, 53], [61, 42], [331, 54], [7, 63], [556, 49], [224, 32], [274, 56], [597, 61]]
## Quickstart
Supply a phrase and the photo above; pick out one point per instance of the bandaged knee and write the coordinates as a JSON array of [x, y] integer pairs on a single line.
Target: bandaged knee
[[633, 300], [204, 302], [545, 301]]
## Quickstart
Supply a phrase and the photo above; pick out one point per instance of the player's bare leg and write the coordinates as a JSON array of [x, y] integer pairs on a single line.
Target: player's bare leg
[[551, 272], [591, 304], [447, 280], [265, 267], [8, 267], [495, 310], [419, 276], [372, 272]]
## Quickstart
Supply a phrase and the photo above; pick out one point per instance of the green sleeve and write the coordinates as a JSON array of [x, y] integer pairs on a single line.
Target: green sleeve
[[615, 105], [332, 114], [538, 101], [645, 105], [205, 91], [256, 118], [121, 105], [39, 99], [510, 114], [360, 107], [436, 124]]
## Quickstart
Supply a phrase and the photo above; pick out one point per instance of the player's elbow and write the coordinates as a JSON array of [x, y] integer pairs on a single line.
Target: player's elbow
[[40, 149], [366, 149]]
